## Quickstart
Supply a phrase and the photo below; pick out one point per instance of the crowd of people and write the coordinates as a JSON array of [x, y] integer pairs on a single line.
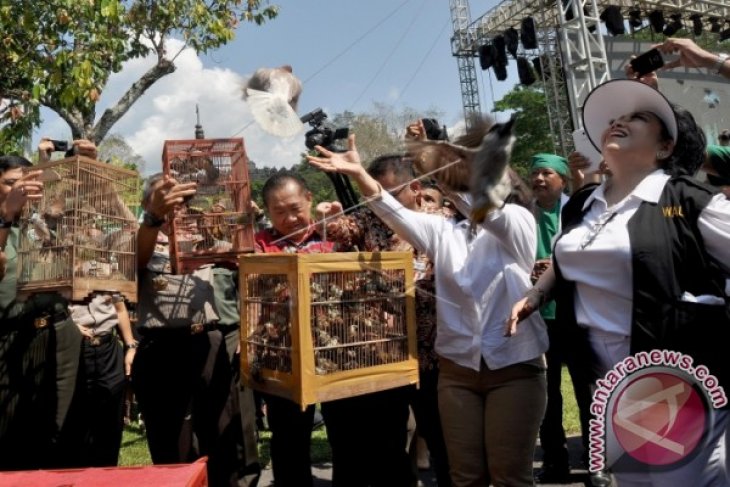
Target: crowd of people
[[609, 271]]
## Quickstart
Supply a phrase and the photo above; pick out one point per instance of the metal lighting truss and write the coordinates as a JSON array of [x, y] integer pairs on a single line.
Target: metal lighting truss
[[571, 46]]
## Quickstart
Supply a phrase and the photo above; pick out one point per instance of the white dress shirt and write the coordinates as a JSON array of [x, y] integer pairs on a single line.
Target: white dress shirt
[[602, 270], [477, 281]]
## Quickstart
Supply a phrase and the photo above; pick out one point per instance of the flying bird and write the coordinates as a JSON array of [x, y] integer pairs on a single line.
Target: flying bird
[[273, 94], [477, 162]]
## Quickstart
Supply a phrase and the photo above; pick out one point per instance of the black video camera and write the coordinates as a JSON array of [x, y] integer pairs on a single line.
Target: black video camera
[[320, 134], [433, 130], [60, 145]]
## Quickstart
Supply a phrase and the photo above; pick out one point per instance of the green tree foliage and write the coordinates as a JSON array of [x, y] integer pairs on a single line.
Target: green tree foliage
[[531, 127], [115, 150], [60, 53]]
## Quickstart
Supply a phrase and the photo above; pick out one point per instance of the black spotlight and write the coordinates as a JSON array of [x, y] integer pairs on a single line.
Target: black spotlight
[[656, 18], [673, 26], [524, 71], [715, 24], [512, 39], [537, 65], [725, 35], [696, 24], [635, 19], [500, 71], [614, 20], [528, 35], [487, 56], [500, 44]]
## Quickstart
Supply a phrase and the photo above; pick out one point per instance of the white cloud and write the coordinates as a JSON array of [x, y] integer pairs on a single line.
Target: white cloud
[[167, 111]]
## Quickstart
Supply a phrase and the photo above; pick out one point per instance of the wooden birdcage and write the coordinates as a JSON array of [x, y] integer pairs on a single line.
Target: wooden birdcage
[[216, 225], [320, 327], [80, 237]]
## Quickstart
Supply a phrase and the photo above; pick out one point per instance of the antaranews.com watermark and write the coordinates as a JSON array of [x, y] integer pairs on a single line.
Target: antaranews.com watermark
[[655, 405]]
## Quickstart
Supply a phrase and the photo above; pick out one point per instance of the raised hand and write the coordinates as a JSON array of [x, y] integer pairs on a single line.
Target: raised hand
[[416, 131], [25, 189], [690, 54], [168, 194], [347, 163]]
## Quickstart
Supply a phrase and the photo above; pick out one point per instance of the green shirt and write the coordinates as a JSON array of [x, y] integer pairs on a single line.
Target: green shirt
[[548, 224], [225, 289]]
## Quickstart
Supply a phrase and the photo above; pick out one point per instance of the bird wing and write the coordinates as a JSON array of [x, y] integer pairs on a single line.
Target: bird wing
[[448, 163], [273, 113]]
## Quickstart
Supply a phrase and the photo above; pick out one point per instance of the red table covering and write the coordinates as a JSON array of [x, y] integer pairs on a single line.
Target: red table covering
[[179, 475]]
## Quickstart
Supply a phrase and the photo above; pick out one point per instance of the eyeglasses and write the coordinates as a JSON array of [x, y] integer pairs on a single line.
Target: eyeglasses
[[596, 228]]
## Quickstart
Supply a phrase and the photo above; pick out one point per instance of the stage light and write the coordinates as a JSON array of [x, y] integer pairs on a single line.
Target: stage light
[[614, 20], [656, 18], [673, 26], [487, 56], [500, 71], [524, 71], [499, 43], [696, 24], [537, 65], [635, 19], [528, 35], [715, 24], [725, 35], [512, 39]]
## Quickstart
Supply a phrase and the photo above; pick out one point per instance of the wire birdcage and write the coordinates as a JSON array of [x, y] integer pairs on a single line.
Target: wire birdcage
[[81, 236], [326, 326], [217, 224]]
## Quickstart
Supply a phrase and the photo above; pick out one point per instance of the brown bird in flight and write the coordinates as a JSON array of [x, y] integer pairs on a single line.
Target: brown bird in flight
[[477, 162], [272, 95]]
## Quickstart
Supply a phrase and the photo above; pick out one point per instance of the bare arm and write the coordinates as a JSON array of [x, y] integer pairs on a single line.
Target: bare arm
[[538, 295], [125, 329], [166, 195]]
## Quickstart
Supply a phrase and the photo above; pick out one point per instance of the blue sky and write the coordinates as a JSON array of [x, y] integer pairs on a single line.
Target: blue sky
[[403, 58]]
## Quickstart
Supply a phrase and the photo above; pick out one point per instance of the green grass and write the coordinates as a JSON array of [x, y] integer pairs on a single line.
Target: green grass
[[135, 452], [571, 421], [134, 443]]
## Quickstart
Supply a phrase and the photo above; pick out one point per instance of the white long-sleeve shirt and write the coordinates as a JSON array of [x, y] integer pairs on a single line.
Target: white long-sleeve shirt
[[477, 281], [602, 270]]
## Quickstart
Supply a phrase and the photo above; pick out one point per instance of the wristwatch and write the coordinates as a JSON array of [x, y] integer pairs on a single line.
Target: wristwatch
[[717, 67], [150, 220], [5, 223]]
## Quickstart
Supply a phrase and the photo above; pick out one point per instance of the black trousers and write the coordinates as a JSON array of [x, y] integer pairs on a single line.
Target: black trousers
[[188, 391], [38, 369], [368, 435], [424, 402], [92, 434], [552, 433], [291, 440]]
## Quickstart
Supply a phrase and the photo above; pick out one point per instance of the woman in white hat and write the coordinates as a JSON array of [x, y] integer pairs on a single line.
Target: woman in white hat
[[641, 265]]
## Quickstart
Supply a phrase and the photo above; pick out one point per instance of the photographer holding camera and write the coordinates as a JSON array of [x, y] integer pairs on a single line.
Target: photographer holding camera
[[81, 147]]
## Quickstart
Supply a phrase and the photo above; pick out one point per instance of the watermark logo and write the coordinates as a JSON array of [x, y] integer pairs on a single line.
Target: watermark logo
[[652, 411]]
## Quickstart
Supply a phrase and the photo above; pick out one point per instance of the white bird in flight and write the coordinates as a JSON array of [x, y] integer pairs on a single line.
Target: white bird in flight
[[272, 94]]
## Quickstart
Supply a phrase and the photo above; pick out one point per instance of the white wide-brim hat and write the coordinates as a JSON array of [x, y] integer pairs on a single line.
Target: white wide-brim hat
[[616, 98]]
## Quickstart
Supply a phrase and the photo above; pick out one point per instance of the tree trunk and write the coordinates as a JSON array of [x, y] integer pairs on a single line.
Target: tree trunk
[[138, 88]]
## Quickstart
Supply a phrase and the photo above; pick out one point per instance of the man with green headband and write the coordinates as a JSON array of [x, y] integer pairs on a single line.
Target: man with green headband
[[549, 177]]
